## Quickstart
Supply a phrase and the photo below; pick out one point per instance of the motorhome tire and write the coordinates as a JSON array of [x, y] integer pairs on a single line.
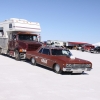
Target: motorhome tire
[[17, 55], [57, 69]]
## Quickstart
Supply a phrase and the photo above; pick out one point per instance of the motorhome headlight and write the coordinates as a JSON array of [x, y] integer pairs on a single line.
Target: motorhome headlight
[[68, 65], [22, 50]]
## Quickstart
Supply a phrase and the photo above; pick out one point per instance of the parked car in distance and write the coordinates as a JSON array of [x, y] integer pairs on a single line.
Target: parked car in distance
[[87, 47], [95, 50], [59, 59], [79, 47]]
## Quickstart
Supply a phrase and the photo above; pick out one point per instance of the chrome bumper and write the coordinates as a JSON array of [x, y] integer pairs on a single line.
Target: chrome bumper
[[76, 70]]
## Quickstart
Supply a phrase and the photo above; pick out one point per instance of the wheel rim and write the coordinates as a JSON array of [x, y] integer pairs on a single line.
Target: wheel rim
[[16, 54], [57, 68], [33, 60], [95, 52]]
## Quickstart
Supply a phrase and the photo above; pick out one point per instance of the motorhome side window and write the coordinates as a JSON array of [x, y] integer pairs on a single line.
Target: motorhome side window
[[10, 25], [1, 32]]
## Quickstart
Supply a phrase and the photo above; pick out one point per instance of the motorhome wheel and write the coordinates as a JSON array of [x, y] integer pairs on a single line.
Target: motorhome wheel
[[17, 55]]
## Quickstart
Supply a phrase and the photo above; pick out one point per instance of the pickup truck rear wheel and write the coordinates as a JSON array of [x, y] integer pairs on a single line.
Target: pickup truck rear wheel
[[17, 55], [33, 61], [57, 69]]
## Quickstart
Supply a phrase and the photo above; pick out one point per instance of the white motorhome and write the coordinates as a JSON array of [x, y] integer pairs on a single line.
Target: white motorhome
[[16, 35], [55, 42]]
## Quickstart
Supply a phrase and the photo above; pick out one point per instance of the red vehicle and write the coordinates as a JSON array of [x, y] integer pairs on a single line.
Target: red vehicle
[[17, 36], [87, 47], [58, 59]]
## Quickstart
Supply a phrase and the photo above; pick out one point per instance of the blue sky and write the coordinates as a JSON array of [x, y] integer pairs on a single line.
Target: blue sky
[[66, 20]]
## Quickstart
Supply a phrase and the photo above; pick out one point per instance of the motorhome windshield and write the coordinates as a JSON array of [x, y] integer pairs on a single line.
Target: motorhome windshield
[[61, 52], [27, 37]]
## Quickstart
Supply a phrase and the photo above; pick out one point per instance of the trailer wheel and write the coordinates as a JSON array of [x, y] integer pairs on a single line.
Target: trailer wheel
[[17, 55], [33, 61], [0, 51], [57, 69]]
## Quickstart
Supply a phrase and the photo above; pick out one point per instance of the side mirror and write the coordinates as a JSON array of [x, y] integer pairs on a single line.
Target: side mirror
[[14, 37]]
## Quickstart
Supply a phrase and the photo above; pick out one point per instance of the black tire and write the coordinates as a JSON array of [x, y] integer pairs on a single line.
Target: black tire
[[57, 69], [95, 52], [8, 53], [0, 51], [82, 50], [33, 61], [17, 55]]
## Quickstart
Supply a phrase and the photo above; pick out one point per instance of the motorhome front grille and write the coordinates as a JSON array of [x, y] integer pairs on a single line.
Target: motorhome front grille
[[33, 47]]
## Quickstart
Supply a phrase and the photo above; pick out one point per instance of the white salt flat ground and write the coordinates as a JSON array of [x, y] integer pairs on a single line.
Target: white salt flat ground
[[20, 80]]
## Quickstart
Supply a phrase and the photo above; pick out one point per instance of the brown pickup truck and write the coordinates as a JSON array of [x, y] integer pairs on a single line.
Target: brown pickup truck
[[58, 59]]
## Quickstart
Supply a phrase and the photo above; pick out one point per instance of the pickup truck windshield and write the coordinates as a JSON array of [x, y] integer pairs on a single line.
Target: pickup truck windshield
[[61, 52], [28, 37]]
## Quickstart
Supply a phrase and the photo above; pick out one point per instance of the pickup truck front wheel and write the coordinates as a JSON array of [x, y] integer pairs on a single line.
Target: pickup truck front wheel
[[17, 55]]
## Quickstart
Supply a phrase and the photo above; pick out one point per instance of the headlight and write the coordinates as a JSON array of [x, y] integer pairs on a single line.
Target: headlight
[[68, 65], [22, 50], [88, 65]]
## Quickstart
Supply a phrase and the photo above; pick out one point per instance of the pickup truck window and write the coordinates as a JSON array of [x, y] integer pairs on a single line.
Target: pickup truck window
[[10, 25]]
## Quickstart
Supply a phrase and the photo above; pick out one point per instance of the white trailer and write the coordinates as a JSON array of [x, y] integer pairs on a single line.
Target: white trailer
[[13, 25]]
